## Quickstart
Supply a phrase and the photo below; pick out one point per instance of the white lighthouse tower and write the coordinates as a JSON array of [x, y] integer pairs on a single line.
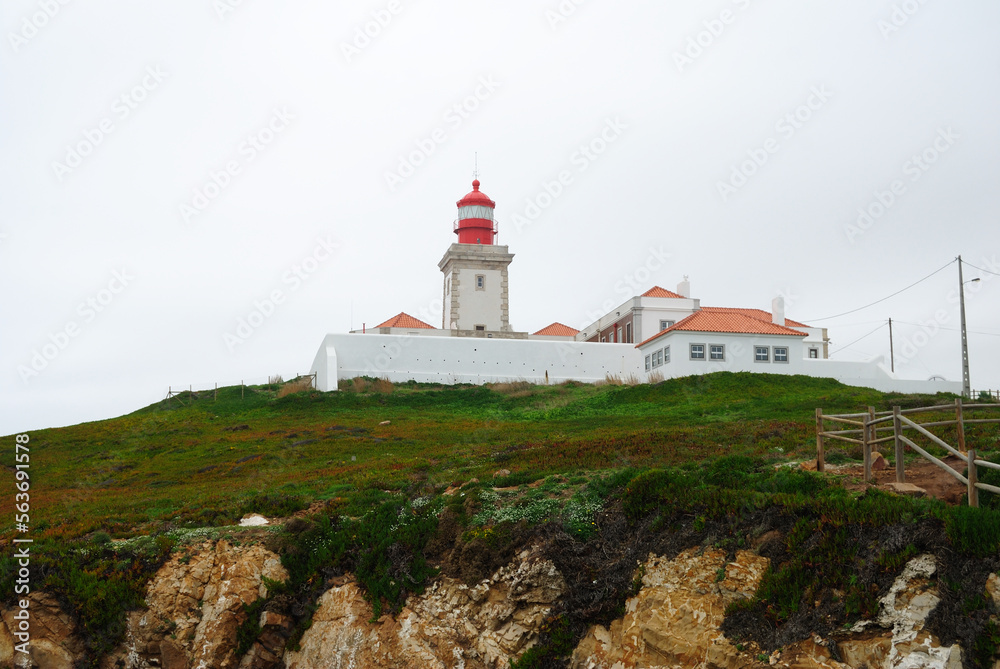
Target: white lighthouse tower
[[475, 273]]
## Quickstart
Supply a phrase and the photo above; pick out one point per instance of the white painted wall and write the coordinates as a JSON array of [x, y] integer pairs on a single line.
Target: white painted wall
[[646, 320], [740, 358], [478, 307], [468, 360], [443, 359]]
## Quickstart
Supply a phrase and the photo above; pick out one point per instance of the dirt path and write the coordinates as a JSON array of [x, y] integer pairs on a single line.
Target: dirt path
[[924, 474]]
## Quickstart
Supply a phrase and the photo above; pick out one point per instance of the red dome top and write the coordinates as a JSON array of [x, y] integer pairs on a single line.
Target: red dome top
[[476, 198]]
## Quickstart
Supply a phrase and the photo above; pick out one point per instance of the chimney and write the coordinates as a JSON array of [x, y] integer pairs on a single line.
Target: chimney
[[684, 287], [778, 310]]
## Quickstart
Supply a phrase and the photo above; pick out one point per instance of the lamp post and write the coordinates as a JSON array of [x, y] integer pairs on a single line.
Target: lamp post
[[966, 386]]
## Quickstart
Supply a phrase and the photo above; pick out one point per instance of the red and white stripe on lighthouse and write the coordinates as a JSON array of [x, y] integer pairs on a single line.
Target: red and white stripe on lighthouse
[[475, 223]]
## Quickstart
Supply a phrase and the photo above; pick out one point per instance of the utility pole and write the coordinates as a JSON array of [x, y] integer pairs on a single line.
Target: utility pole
[[892, 355], [966, 385]]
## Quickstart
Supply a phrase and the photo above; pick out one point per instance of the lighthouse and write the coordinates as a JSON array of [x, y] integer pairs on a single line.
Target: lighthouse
[[475, 273]]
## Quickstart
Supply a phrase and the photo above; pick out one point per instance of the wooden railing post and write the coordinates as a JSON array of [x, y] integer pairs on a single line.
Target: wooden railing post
[[866, 448], [820, 458], [897, 429], [973, 477], [960, 424], [870, 435]]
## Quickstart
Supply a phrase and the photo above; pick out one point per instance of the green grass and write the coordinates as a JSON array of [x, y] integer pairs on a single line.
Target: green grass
[[208, 462], [568, 450]]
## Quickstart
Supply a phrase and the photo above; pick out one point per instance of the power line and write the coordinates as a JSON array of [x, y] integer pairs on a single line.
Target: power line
[[991, 334], [826, 318], [842, 348], [980, 268]]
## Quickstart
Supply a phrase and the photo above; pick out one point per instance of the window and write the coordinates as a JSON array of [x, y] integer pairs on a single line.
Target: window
[[761, 354], [475, 211], [717, 352], [666, 354], [604, 339], [814, 353], [628, 333], [665, 324], [781, 354], [480, 282], [657, 358], [480, 328], [618, 334], [647, 363], [697, 351]]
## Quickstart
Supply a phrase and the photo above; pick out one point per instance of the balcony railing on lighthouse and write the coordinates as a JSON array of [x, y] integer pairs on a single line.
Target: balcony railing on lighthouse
[[496, 230]]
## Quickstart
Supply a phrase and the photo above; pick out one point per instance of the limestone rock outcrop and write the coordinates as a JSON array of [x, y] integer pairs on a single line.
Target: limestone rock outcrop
[[195, 606], [55, 643], [450, 625], [675, 619]]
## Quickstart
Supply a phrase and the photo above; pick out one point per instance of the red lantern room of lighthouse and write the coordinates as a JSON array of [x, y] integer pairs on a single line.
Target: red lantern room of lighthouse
[[475, 223]]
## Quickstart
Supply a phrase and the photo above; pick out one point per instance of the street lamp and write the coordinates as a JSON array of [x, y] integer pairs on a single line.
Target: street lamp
[[966, 386]]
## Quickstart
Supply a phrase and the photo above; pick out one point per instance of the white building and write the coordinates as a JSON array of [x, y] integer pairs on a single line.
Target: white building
[[676, 335]]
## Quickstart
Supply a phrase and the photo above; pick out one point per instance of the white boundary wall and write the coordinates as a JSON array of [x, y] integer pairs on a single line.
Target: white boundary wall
[[401, 358], [449, 360]]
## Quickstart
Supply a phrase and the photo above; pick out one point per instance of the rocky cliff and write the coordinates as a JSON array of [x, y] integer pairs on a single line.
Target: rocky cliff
[[196, 609]]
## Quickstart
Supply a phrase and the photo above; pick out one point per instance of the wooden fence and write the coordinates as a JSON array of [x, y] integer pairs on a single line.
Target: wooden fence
[[866, 426], [193, 394], [992, 394]]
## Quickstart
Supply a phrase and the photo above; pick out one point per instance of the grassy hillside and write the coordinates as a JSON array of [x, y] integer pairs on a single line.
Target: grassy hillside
[[602, 475], [199, 461]]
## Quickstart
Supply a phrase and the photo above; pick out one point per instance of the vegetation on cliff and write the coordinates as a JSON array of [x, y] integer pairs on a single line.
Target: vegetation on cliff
[[461, 477]]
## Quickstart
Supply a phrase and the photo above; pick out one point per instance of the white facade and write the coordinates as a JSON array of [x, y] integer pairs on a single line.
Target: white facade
[[468, 360], [740, 354], [647, 313], [475, 288], [480, 298]]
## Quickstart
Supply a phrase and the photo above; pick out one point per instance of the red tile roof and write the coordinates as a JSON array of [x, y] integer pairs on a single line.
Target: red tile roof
[[757, 313], [405, 320], [559, 330], [656, 291], [730, 320]]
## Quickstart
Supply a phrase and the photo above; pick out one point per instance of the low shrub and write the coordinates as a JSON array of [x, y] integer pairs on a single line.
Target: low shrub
[[272, 504]]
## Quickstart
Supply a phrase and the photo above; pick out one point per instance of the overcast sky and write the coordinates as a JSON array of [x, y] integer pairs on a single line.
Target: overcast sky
[[169, 168]]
